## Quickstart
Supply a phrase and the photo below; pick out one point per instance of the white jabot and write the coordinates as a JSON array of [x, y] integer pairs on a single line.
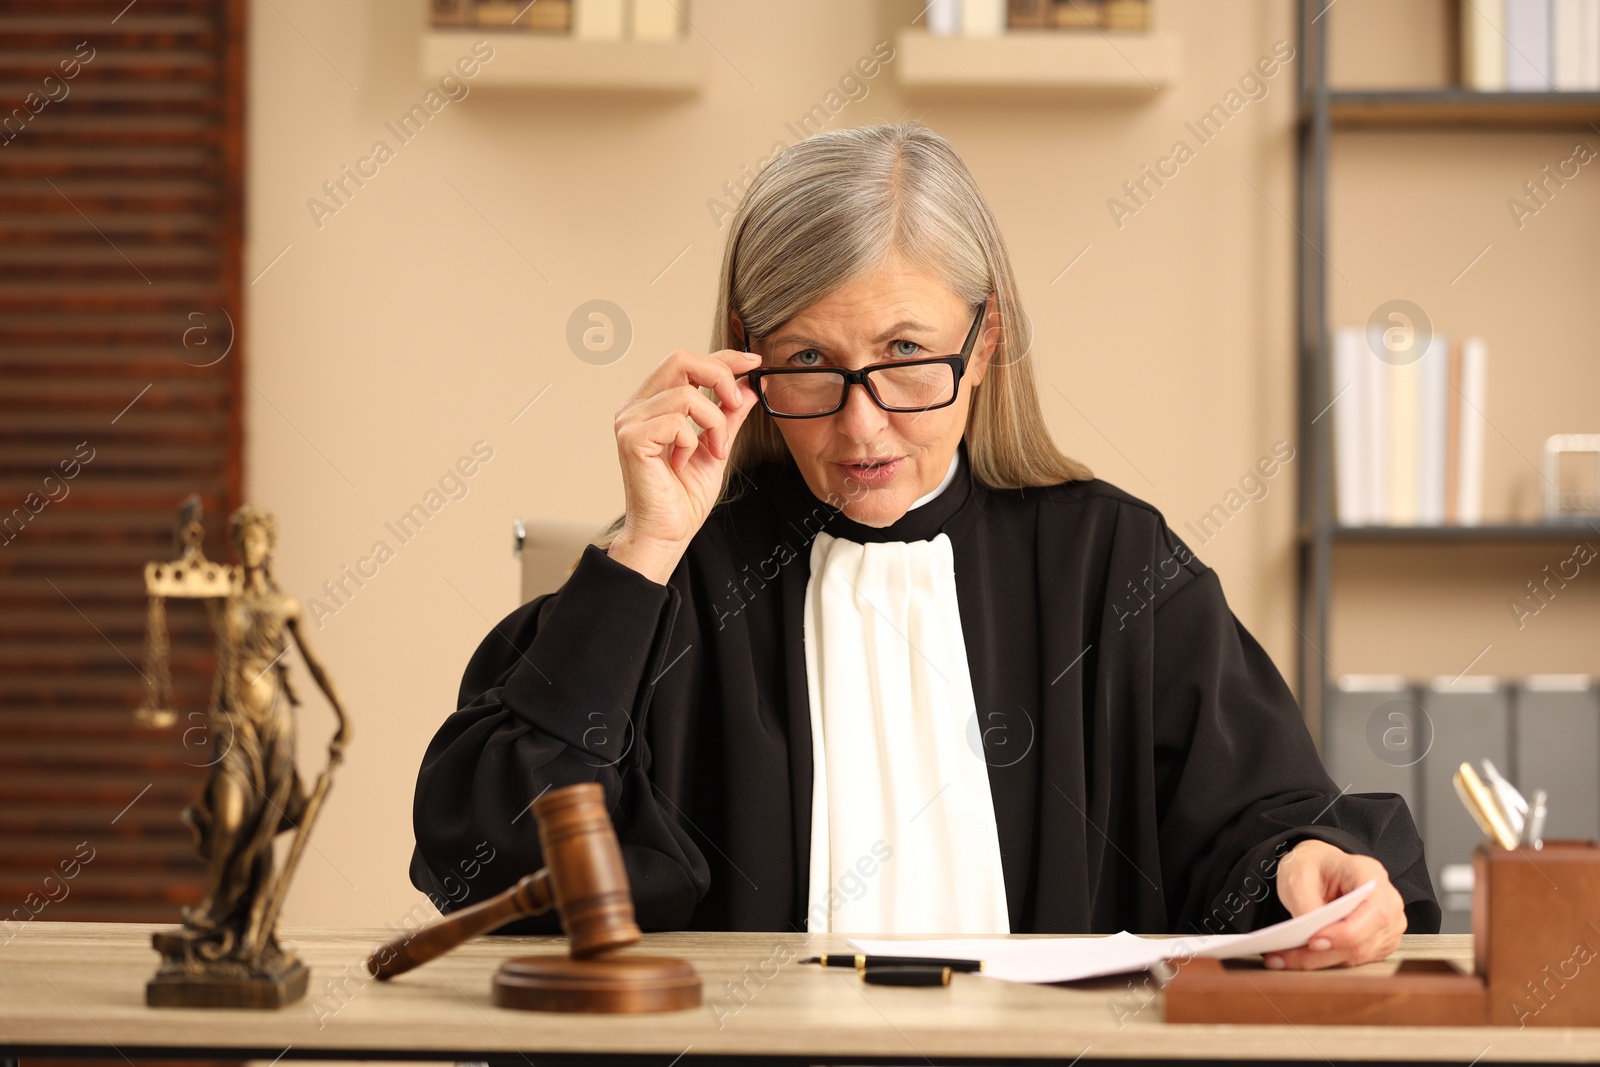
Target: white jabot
[[949, 476], [903, 832]]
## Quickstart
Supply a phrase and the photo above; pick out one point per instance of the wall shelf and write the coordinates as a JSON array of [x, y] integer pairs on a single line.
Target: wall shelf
[[1509, 532], [550, 61], [1450, 108], [1047, 64]]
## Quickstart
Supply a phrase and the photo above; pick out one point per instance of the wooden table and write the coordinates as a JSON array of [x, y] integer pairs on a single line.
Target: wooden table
[[77, 989]]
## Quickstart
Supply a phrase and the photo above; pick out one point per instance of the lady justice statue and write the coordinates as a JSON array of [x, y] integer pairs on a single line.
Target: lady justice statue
[[226, 954]]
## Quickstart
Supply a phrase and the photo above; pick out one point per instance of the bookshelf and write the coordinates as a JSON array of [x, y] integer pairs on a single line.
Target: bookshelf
[[1078, 64], [1521, 533], [1400, 561], [1461, 108]]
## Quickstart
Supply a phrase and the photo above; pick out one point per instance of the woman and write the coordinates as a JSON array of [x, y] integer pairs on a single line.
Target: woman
[[867, 653]]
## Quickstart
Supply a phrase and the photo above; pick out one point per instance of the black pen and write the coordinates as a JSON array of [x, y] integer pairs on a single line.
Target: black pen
[[912, 976], [862, 962]]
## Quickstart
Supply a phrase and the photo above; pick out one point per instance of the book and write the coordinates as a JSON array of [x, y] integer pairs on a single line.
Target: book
[[1077, 14], [451, 12], [1375, 421], [545, 16], [1347, 394], [983, 18], [655, 20], [1125, 15], [1483, 45], [599, 20], [1528, 46], [1029, 15], [495, 12], [1566, 40], [1472, 398], [1431, 420], [1452, 439], [1589, 51], [943, 17], [1405, 406]]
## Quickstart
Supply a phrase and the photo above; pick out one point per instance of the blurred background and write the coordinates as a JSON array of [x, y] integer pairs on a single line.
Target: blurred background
[[312, 254]]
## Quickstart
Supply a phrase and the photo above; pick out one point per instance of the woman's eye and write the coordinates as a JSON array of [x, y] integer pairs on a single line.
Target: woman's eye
[[806, 357], [905, 353]]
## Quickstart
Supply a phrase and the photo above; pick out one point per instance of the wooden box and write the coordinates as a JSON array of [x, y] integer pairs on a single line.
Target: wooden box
[[1536, 943]]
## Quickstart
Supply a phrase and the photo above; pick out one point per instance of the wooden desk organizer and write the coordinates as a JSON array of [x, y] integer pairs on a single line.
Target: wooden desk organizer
[[1536, 942]]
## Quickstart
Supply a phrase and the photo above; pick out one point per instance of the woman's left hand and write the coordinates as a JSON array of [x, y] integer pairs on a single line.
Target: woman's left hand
[[1315, 872]]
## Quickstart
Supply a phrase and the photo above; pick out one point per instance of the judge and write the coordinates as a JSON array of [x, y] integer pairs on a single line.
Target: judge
[[867, 653]]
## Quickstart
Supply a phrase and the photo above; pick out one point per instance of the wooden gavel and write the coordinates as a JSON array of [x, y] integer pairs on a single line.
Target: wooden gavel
[[585, 882]]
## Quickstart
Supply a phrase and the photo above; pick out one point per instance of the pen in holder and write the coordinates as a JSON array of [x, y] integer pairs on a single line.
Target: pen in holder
[[1536, 933]]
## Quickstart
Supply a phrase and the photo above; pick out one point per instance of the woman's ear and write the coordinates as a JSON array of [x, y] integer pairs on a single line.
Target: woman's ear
[[738, 338], [988, 341]]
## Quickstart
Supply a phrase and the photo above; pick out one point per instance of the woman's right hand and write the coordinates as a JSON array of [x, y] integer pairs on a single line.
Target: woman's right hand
[[671, 475]]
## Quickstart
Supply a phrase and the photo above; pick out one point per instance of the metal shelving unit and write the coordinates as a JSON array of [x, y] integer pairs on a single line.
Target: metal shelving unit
[[1324, 111]]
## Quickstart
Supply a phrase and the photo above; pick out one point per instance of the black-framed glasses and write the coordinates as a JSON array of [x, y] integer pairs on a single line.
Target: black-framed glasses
[[902, 386]]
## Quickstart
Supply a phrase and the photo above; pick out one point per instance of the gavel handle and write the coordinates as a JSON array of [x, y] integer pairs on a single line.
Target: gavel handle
[[530, 896]]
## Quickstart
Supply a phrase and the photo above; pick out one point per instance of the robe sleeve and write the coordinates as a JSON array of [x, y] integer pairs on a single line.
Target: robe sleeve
[[554, 696], [1240, 781]]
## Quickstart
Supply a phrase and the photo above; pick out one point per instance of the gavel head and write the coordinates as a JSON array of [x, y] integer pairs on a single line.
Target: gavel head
[[584, 863]]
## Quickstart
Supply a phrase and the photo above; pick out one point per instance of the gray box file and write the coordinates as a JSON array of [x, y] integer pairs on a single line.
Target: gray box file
[[1373, 737], [1558, 750], [1471, 722]]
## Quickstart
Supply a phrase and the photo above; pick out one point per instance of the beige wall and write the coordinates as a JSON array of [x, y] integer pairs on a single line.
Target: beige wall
[[414, 323]]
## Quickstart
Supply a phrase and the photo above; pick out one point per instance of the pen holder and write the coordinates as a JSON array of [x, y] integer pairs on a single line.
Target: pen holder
[[1536, 933]]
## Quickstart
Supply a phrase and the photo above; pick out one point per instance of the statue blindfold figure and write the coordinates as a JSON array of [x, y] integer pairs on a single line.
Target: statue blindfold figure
[[227, 954]]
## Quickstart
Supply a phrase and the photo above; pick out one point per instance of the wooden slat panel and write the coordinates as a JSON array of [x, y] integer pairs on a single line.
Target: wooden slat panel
[[120, 218]]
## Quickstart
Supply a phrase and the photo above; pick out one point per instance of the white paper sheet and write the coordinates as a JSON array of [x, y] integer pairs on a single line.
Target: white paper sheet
[[1065, 959]]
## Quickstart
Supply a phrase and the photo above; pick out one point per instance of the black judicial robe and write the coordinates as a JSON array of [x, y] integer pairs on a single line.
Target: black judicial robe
[[1147, 762]]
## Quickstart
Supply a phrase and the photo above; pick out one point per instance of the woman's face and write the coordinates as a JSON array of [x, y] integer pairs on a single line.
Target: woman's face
[[253, 546], [895, 313]]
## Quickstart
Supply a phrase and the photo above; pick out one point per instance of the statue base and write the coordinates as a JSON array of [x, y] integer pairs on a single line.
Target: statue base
[[188, 980]]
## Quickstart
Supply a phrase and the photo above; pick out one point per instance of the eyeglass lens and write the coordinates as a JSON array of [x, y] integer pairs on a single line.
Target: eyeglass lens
[[913, 388]]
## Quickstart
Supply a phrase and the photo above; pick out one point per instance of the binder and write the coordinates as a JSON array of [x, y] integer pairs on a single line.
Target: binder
[[1473, 398], [1348, 396], [1375, 420], [1483, 45], [1529, 56], [1470, 717], [1432, 422], [1373, 737], [1558, 750], [1405, 440], [599, 20]]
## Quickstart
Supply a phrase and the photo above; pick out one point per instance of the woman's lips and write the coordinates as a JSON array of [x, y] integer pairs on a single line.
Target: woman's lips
[[873, 474]]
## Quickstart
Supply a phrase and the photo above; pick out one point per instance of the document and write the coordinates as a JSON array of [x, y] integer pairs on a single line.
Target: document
[[1066, 959]]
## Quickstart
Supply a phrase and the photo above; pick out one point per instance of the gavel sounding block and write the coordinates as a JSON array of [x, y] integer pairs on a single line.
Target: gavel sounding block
[[1536, 943], [617, 984]]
